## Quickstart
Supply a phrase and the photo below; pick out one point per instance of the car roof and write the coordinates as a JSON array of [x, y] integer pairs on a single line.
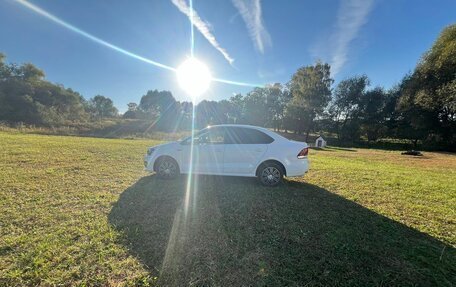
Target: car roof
[[239, 126], [265, 130]]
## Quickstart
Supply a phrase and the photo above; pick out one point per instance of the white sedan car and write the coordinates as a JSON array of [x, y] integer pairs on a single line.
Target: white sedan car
[[233, 150]]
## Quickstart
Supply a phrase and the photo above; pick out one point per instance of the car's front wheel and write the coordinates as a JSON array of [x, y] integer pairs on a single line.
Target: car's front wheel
[[270, 174], [167, 168]]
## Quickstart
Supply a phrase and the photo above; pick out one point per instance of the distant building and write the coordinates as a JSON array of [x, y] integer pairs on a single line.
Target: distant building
[[320, 142]]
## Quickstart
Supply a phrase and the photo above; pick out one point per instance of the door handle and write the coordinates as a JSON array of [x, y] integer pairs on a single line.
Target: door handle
[[258, 150]]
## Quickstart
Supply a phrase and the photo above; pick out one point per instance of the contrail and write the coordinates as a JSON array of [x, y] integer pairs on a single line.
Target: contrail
[[62, 23], [70, 27], [352, 15], [250, 11], [202, 26]]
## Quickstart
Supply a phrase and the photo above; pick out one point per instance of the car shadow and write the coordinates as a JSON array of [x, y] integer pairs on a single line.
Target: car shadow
[[229, 231]]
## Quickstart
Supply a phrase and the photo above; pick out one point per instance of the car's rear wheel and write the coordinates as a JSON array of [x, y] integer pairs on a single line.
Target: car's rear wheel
[[270, 174], [167, 168]]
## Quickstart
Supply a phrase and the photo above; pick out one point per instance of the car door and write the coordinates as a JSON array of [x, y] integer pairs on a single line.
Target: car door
[[244, 148], [208, 152]]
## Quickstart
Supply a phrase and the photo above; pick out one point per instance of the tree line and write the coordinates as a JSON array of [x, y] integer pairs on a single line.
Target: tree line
[[25, 96], [420, 109]]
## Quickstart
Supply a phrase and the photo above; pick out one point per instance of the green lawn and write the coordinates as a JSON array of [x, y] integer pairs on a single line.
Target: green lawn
[[81, 211]]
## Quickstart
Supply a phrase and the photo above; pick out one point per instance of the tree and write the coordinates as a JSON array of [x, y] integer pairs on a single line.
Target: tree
[[237, 110], [226, 108], [132, 106], [4, 69], [256, 109], [373, 103], [346, 107], [277, 98], [28, 72], [310, 88], [413, 121], [156, 102], [102, 107], [132, 112], [186, 109], [162, 109], [25, 96], [434, 85]]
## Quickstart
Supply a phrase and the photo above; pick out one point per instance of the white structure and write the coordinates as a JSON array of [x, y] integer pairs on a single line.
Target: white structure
[[320, 142]]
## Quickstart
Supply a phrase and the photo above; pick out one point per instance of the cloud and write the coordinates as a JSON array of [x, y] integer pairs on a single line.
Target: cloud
[[202, 26], [250, 11], [352, 15]]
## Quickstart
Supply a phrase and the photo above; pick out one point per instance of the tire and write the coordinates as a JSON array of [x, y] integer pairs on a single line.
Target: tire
[[167, 168], [270, 174]]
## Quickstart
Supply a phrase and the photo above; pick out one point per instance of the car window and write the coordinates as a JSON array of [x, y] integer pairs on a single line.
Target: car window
[[188, 140], [235, 135], [212, 136]]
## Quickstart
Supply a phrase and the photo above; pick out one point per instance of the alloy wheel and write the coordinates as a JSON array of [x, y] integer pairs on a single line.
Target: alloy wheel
[[167, 169], [270, 176]]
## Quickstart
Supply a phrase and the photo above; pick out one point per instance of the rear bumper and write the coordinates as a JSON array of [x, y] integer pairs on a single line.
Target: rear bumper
[[297, 167]]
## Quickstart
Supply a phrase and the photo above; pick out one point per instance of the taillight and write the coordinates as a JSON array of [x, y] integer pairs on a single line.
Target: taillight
[[303, 153]]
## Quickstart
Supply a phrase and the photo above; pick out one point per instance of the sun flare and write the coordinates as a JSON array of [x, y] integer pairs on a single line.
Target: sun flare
[[193, 77]]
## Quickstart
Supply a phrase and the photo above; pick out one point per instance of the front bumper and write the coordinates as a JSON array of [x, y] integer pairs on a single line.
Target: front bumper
[[149, 162]]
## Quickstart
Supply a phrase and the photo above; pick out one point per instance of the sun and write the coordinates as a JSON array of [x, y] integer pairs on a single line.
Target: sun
[[193, 77]]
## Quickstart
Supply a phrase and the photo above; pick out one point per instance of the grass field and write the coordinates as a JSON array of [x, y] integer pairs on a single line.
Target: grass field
[[81, 211]]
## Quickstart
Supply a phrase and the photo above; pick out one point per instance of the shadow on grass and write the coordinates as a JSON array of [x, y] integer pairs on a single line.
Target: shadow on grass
[[233, 232]]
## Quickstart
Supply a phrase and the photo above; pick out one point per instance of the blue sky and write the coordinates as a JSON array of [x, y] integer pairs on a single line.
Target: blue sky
[[268, 41]]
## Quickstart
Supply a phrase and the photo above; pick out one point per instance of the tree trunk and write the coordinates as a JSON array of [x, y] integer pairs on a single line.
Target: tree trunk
[[309, 126]]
